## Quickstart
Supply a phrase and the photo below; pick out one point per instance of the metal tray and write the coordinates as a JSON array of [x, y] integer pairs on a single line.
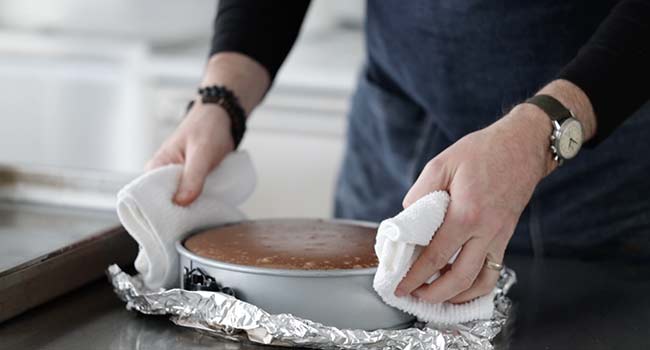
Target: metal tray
[[339, 298], [58, 231]]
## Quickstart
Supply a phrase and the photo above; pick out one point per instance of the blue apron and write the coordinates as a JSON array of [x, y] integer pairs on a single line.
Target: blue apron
[[438, 70]]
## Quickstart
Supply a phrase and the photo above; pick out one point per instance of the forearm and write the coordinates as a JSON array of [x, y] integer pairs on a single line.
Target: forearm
[[262, 30], [248, 79], [249, 44], [613, 68]]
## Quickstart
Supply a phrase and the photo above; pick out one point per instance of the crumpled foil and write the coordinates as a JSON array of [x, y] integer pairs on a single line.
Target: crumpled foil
[[227, 317]]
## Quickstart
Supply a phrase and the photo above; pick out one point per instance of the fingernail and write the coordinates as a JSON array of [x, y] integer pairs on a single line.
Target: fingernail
[[181, 197], [399, 292]]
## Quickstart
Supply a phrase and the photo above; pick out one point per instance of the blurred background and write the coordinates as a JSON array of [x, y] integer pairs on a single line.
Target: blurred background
[[95, 87]]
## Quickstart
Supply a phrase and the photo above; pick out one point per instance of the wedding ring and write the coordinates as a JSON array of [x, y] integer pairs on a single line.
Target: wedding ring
[[493, 265]]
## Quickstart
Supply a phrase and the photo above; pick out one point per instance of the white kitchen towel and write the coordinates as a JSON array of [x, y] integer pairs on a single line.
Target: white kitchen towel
[[400, 240], [146, 210]]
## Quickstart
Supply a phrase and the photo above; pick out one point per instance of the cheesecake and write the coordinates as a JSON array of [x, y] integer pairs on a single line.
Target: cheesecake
[[294, 244]]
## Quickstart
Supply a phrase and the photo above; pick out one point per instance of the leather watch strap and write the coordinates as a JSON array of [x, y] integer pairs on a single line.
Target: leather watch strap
[[551, 106]]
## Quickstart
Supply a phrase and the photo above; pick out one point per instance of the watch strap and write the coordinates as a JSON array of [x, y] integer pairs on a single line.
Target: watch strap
[[551, 106]]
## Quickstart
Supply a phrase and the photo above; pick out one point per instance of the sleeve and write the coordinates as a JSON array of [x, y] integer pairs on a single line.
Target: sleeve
[[613, 68], [261, 29]]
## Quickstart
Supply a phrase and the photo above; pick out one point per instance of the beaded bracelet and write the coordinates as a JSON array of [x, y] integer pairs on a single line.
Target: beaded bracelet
[[224, 97]]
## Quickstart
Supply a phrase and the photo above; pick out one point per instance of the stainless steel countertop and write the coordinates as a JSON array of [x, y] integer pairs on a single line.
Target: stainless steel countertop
[[559, 304], [94, 318]]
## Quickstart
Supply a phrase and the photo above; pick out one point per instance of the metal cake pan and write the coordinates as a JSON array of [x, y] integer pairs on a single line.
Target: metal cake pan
[[339, 298]]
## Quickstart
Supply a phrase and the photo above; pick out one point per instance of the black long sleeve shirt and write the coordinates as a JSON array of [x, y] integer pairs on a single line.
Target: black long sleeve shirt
[[612, 68]]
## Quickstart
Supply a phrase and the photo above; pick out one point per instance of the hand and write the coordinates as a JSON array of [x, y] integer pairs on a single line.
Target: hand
[[200, 143], [490, 175], [203, 139]]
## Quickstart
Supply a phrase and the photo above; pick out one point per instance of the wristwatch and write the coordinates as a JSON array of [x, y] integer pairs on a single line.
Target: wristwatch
[[568, 135]]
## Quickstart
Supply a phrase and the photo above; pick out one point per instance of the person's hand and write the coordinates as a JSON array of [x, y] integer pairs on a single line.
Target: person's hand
[[200, 143], [490, 175], [204, 139]]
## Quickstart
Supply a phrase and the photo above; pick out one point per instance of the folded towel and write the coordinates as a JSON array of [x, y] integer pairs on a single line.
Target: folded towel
[[146, 210], [400, 240]]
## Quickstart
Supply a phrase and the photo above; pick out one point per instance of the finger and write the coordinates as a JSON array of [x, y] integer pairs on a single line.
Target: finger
[[196, 169], [157, 162], [461, 276], [445, 243], [487, 278], [163, 158], [433, 177], [483, 285]]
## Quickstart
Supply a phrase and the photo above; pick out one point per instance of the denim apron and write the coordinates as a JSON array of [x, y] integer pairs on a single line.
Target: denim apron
[[438, 70]]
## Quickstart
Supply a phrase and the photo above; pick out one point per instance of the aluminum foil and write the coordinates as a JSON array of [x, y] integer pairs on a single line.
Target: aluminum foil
[[225, 316]]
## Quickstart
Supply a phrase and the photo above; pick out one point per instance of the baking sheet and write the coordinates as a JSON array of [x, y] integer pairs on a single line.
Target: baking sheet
[[58, 230]]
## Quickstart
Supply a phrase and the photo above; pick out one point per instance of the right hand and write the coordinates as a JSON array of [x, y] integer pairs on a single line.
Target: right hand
[[200, 143]]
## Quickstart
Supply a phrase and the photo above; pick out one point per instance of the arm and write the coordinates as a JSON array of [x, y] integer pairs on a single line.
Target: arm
[[491, 174], [613, 68], [262, 30], [203, 138], [248, 47]]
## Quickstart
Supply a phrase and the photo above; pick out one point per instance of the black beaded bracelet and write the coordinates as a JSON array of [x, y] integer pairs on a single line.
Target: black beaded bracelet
[[225, 98]]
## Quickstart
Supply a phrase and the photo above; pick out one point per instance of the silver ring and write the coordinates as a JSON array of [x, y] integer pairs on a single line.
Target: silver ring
[[493, 265]]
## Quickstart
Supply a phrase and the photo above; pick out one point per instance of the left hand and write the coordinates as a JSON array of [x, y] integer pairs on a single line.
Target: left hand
[[490, 175]]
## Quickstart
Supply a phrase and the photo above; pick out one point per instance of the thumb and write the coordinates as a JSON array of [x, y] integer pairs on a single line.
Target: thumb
[[197, 166], [433, 177]]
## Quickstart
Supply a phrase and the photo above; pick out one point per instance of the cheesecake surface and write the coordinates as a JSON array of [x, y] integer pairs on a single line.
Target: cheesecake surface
[[297, 244]]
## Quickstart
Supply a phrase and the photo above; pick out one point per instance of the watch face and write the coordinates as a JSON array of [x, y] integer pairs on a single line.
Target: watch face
[[571, 138]]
